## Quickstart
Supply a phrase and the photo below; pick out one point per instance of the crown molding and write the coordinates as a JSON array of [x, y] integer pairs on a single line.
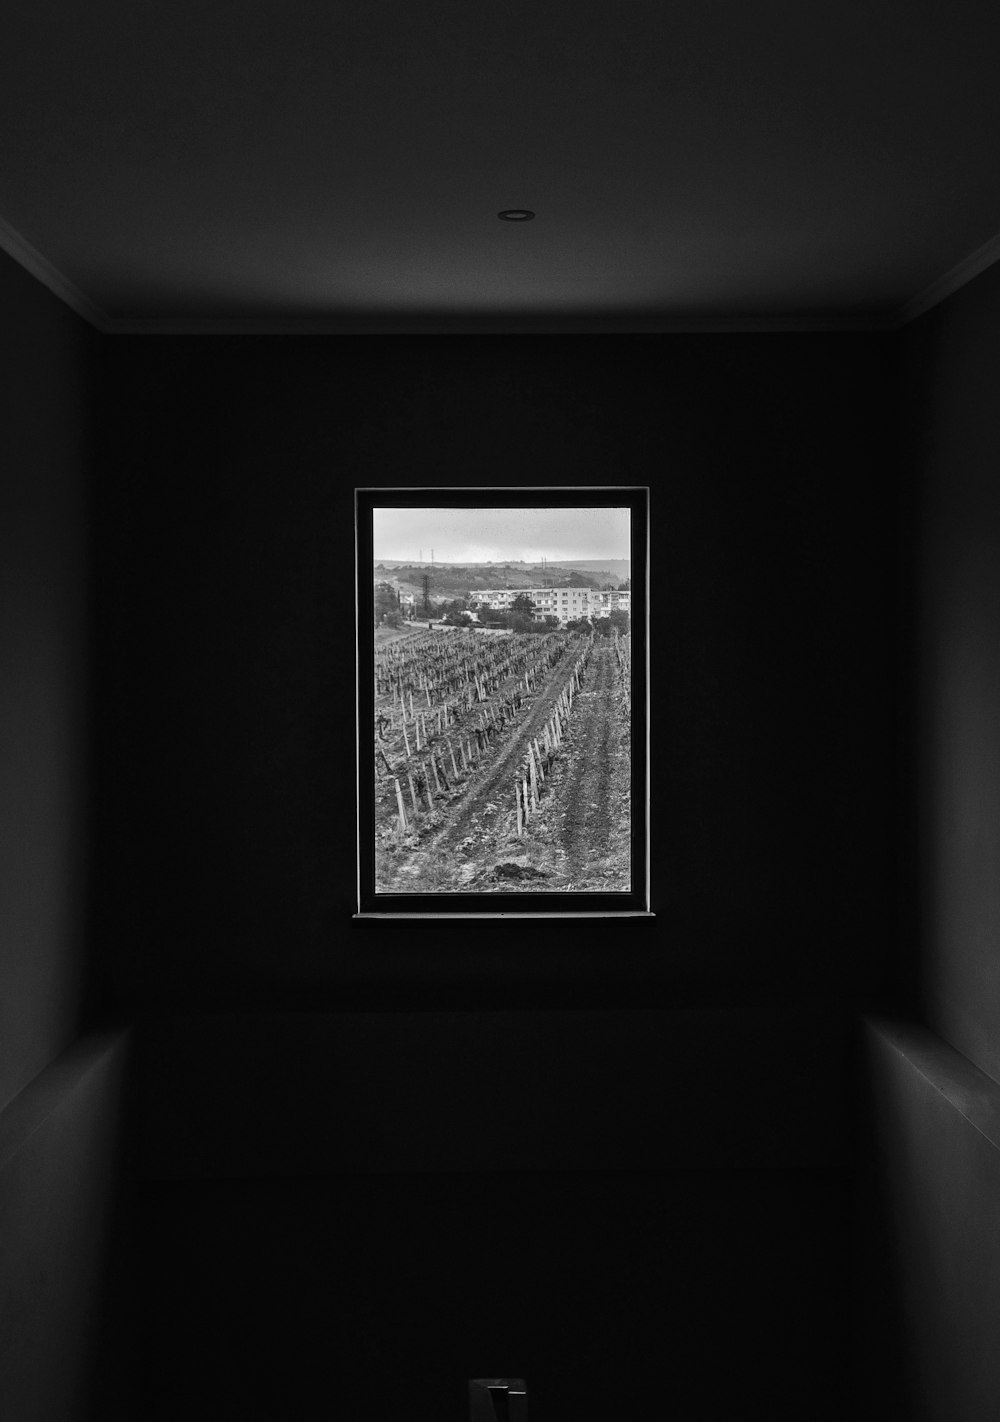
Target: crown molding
[[397, 324], [953, 280], [28, 257], [497, 324]]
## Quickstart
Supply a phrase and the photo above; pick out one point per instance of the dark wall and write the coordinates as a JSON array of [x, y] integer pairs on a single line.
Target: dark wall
[[935, 1141], [953, 370], [700, 1295], [932, 1289], [64, 1279], [45, 456], [226, 669], [274, 1095], [345, 1189], [60, 1095]]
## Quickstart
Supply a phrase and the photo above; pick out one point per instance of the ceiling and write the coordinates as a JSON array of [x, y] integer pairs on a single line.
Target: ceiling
[[339, 164]]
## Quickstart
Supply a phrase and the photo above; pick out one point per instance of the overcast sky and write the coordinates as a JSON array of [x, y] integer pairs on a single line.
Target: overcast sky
[[498, 535]]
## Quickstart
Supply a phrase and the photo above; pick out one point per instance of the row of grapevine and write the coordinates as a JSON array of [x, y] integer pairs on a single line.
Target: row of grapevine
[[440, 711], [436, 667], [539, 759], [492, 694], [623, 657]]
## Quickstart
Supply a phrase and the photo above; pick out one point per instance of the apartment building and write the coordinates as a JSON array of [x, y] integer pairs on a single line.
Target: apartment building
[[602, 604], [566, 603]]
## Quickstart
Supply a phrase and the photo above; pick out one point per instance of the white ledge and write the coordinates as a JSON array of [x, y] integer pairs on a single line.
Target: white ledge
[[519, 913]]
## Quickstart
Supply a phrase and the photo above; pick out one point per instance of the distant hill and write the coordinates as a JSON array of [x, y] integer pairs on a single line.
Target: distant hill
[[617, 568], [451, 579], [513, 573]]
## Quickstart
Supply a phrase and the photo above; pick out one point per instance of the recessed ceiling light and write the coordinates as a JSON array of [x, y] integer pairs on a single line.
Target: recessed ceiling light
[[516, 214]]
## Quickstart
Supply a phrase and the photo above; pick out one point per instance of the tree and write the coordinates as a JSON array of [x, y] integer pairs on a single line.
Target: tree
[[386, 602], [579, 624], [620, 619], [522, 604]]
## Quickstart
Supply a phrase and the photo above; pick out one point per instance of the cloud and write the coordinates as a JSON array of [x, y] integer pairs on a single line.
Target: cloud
[[481, 535]]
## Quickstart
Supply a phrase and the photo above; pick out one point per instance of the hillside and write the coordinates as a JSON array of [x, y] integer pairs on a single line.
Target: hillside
[[617, 568], [456, 578]]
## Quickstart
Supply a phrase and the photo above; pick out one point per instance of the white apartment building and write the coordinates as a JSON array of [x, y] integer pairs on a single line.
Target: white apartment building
[[567, 604], [602, 604]]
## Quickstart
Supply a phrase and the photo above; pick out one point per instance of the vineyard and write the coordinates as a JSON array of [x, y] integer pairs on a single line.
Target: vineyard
[[502, 763]]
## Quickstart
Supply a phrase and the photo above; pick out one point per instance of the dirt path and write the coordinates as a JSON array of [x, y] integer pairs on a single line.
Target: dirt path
[[586, 825]]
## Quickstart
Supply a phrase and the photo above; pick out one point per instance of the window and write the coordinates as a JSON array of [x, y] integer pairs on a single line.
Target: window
[[509, 764]]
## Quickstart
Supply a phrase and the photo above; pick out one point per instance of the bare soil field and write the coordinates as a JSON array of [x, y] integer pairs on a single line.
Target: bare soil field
[[385, 635], [578, 835]]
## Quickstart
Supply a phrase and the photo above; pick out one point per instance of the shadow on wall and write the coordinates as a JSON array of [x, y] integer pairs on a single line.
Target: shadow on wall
[[63, 1278], [933, 1251]]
